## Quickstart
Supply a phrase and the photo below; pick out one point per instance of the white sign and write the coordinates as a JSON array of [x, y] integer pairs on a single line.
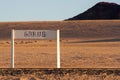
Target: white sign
[[35, 34]]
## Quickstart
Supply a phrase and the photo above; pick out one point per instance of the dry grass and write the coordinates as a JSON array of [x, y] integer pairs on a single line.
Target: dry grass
[[42, 54]]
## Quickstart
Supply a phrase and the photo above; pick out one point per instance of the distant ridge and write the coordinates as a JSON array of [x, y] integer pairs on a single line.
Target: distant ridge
[[80, 29], [102, 10]]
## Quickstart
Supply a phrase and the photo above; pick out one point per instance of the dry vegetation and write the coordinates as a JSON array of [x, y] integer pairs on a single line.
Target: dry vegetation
[[60, 74], [84, 44], [42, 54]]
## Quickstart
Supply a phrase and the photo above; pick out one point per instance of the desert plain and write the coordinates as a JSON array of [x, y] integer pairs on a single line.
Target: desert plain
[[83, 44], [42, 54], [89, 49]]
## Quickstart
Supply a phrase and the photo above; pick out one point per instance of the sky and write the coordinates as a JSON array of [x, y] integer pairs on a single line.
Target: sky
[[44, 10]]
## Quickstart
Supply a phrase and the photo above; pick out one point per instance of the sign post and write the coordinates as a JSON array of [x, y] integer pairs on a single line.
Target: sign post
[[58, 49], [35, 34], [12, 49]]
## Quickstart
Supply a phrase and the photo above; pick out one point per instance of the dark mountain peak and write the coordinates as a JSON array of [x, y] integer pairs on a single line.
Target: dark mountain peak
[[106, 3], [102, 10]]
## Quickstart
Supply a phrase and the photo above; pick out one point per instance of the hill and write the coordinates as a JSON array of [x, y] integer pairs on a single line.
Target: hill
[[102, 10], [69, 29]]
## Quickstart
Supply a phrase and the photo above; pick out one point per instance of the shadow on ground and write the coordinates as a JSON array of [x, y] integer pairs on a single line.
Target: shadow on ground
[[100, 40]]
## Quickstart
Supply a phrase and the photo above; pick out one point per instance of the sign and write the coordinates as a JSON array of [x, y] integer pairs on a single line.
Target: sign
[[35, 34]]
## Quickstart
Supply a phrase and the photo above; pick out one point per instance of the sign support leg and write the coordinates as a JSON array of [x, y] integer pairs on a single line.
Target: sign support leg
[[12, 49], [58, 48]]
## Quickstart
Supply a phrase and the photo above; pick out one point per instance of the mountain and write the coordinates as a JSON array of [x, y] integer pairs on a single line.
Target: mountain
[[102, 10]]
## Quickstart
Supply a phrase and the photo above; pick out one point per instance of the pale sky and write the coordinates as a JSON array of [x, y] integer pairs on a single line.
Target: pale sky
[[44, 10]]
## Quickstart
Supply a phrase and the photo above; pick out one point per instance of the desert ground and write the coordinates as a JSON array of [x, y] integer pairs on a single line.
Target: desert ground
[[84, 44], [74, 54]]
